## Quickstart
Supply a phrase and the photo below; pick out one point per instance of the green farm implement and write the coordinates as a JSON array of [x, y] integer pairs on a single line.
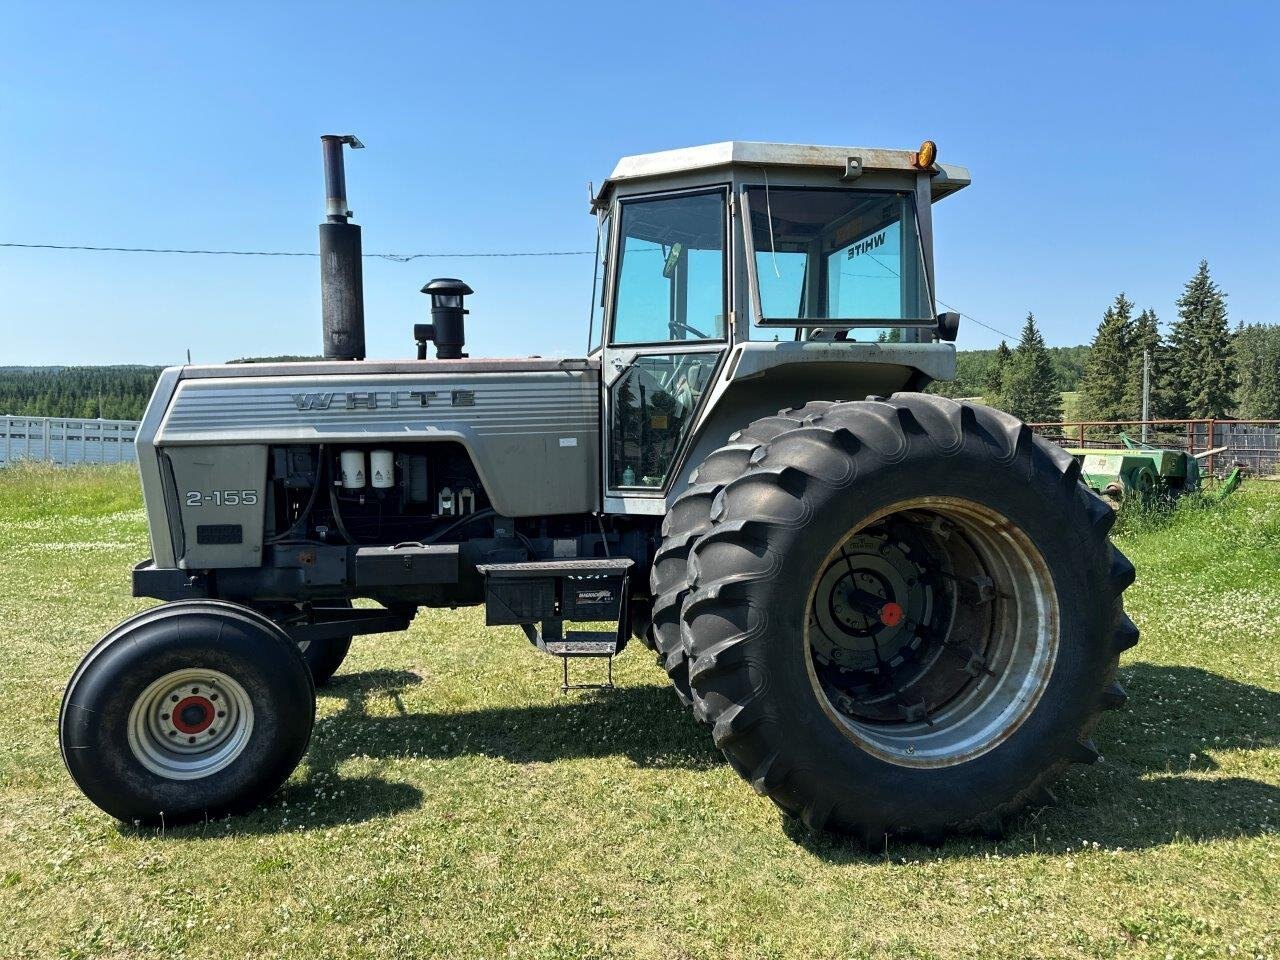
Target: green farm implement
[[1146, 474]]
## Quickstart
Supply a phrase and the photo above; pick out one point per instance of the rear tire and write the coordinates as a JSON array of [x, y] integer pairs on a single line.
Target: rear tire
[[188, 710], [857, 666], [688, 519]]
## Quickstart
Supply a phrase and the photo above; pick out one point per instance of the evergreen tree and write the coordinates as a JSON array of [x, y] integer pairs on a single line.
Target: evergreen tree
[[1104, 385], [1266, 400], [1146, 340], [993, 386], [1204, 375], [1030, 390], [1257, 349]]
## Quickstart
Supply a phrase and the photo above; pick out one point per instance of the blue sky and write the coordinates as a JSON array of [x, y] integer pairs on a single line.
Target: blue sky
[[1112, 146]]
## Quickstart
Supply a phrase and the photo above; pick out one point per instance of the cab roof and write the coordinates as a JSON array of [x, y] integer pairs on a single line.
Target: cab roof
[[947, 178]]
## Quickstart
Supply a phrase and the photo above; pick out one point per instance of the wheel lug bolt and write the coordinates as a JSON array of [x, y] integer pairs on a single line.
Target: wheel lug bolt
[[195, 689], [213, 696], [164, 716], [222, 713], [174, 698], [191, 739], [212, 731], [173, 733]]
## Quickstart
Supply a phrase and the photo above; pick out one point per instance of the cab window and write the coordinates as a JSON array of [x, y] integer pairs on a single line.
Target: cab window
[[671, 270], [652, 410], [836, 254]]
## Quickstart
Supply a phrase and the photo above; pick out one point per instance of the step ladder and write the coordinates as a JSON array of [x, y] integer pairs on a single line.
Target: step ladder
[[540, 595]]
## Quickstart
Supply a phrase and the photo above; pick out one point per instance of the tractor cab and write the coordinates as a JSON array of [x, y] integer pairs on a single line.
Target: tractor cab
[[718, 263]]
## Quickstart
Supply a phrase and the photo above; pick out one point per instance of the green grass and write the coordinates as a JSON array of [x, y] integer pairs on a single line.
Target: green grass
[[1070, 405], [455, 804]]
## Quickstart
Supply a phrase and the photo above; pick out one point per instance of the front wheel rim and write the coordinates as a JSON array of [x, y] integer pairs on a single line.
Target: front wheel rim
[[190, 724], [931, 631]]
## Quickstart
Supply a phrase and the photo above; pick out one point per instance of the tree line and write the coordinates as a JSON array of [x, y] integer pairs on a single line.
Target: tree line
[[1199, 369], [109, 392], [975, 370], [112, 393]]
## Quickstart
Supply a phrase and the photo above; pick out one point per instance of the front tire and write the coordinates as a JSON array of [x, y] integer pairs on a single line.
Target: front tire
[[906, 617], [188, 710]]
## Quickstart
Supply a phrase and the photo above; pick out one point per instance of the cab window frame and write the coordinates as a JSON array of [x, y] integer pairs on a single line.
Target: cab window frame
[[601, 268], [755, 299], [713, 366], [614, 268]]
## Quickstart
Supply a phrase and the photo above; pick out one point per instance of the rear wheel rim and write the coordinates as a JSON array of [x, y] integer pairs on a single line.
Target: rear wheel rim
[[190, 724], [931, 631]]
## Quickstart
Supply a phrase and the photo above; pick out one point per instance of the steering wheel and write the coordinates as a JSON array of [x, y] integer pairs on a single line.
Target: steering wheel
[[679, 326]]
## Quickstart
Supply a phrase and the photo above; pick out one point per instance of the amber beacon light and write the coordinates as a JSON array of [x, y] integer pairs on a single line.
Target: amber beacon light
[[927, 153]]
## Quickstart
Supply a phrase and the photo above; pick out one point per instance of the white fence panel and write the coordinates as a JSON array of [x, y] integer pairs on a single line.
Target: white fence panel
[[67, 440]]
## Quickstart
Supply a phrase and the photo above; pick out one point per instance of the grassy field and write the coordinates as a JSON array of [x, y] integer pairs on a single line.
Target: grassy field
[[1070, 405], [455, 804]]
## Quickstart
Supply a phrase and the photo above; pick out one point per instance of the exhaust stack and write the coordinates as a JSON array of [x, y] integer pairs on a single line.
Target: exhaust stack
[[341, 273]]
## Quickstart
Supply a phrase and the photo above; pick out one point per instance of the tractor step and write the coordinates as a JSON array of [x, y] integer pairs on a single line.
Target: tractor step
[[540, 595], [595, 643], [599, 644], [537, 590]]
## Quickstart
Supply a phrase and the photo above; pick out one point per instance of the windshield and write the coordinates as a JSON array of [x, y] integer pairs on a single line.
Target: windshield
[[847, 255]]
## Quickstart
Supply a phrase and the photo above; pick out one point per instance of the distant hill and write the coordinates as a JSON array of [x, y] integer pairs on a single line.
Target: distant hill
[[114, 393], [110, 392], [973, 367]]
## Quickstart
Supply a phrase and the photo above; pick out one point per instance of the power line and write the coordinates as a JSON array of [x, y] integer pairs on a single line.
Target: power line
[[1007, 336], [397, 257]]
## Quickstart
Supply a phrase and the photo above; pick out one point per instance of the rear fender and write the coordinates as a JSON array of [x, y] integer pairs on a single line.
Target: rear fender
[[761, 378]]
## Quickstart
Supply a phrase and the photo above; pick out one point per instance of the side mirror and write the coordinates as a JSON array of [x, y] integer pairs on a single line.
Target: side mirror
[[948, 327]]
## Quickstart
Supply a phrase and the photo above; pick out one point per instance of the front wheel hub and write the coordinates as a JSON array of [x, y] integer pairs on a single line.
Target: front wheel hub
[[190, 724]]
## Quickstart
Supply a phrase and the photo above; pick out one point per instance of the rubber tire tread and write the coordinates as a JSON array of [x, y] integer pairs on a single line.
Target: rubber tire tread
[[690, 517], [93, 717], [739, 628]]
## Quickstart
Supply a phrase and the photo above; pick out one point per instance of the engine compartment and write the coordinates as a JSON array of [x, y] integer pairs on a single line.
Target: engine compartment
[[403, 523], [360, 494]]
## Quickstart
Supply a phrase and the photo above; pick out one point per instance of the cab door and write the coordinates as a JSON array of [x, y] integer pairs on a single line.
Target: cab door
[[668, 330]]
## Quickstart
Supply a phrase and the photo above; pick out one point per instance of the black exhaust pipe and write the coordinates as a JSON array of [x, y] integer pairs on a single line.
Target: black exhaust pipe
[[341, 273]]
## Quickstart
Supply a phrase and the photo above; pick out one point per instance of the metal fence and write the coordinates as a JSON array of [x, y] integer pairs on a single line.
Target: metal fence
[[1251, 444], [67, 440]]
